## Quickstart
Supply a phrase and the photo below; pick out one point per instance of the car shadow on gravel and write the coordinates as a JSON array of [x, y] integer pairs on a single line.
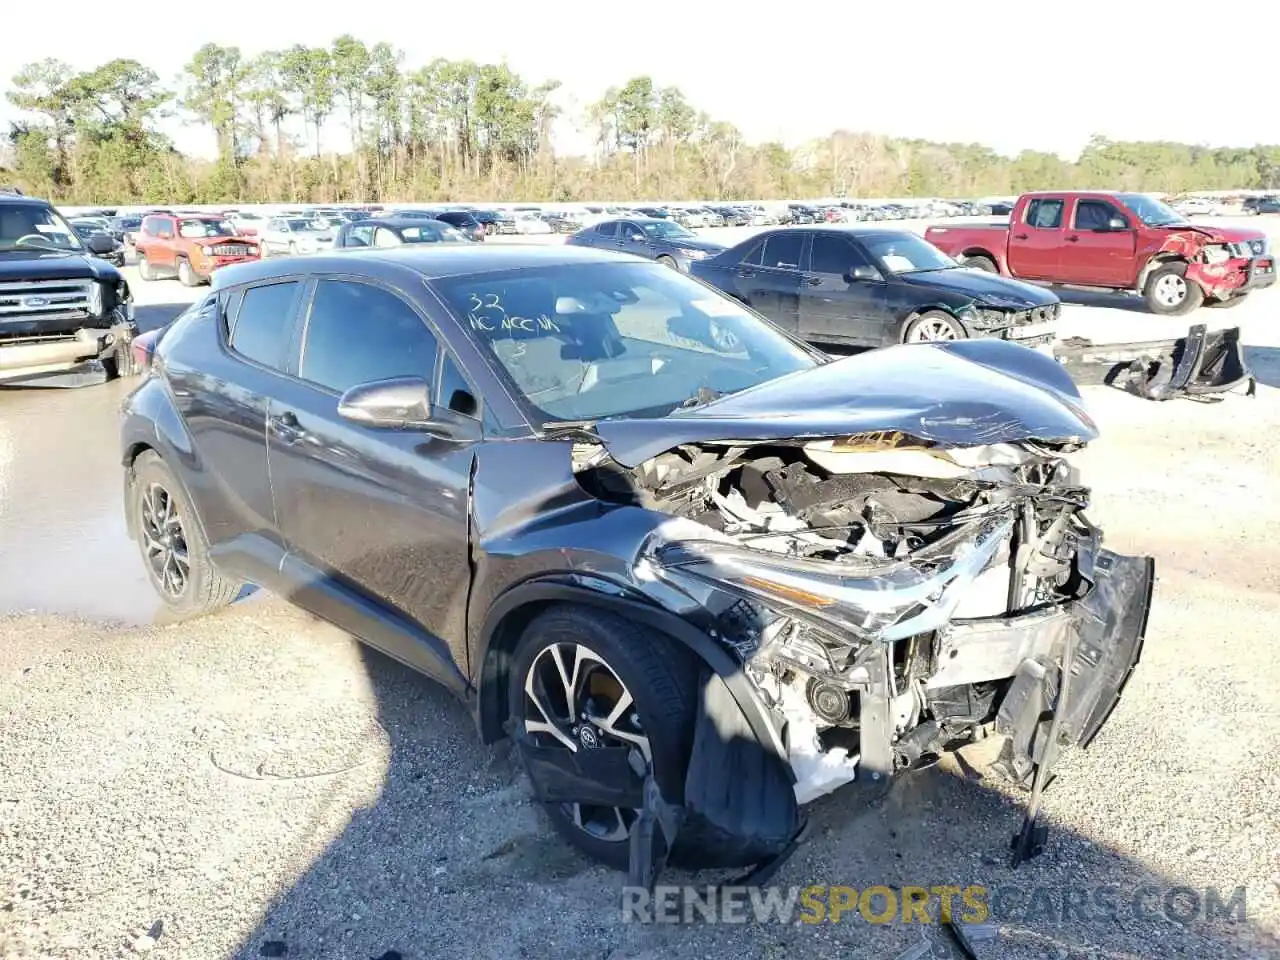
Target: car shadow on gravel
[[454, 859], [1265, 364]]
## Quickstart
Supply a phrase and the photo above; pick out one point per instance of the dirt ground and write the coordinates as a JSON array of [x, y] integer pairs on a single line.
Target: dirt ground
[[257, 784]]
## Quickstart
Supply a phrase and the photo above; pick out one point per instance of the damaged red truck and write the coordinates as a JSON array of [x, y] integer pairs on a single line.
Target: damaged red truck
[[1117, 241]]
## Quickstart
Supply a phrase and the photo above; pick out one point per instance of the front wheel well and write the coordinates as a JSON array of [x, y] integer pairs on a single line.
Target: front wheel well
[[1154, 264]]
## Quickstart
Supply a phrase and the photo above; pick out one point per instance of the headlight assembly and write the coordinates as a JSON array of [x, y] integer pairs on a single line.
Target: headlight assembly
[[871, 598], [1217, 253]]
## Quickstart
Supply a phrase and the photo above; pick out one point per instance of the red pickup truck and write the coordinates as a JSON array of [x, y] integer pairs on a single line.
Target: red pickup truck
[[1117, 241]]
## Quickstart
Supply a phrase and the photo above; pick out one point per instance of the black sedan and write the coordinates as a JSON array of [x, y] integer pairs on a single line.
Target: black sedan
[[662, 240], [464, 221], [396, 231], [868, 288]]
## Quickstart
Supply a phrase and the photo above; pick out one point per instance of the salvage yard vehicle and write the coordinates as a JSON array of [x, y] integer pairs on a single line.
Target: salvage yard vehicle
[[190, 247], [651, 537], [1117, 241], [295, 236], [65, 313], [662, 240], [868, 287], [395, 231]]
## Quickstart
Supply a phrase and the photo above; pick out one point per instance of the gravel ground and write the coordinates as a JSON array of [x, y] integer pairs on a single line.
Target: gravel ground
[[256, 784]]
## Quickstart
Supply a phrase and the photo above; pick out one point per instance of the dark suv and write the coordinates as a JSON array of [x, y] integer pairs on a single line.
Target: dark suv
[[700, 573], [66, 315]]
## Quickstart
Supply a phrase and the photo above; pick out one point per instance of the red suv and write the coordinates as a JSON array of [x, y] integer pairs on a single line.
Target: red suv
[[190, 247]]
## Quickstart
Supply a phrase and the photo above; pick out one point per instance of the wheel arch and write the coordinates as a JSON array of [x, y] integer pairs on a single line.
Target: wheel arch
[[518, 606], [1155, 262], [918, 311]]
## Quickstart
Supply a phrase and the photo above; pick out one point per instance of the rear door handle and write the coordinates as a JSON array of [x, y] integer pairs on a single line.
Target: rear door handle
[[1021, 236], [813, 281], [1072, 239], [286, 427], [746, 273]]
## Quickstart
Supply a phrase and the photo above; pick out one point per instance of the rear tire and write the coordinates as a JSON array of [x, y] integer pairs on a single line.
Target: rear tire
[[1169, 293], [981, 263], [660, 679], [166, 529]]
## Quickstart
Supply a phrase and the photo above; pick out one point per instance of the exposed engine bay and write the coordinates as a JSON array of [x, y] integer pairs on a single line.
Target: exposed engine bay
[[883, 595]]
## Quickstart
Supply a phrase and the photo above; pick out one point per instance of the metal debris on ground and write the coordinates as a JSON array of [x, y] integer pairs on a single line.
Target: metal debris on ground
[[1201, 364]]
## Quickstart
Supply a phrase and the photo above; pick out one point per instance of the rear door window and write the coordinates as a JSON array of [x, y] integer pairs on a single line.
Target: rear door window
[[264, 323], [782, 250]]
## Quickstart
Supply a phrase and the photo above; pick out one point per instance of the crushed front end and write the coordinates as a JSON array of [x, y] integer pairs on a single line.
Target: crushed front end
[[890, 599]]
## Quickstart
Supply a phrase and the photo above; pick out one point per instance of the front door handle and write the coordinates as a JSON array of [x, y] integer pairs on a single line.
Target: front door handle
[[1021, 236], [813, 281], [746, 273], [1072, 239]]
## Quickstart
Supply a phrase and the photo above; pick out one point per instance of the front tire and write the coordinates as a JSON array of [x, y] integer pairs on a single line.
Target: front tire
[[668, 262], [186, 276], [174, 551], [144, 269], [1169, 293], [586, 677], [934, 327]]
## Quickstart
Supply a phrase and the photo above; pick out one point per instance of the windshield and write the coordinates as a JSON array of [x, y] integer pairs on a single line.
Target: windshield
[[307, 226], [590, 342], [30, 226], [667, 231], [905, 253], [1152, 212], [194, 229]]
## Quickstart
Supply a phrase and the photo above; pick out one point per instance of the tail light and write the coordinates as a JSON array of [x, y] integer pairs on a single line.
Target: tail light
[[143, 349]]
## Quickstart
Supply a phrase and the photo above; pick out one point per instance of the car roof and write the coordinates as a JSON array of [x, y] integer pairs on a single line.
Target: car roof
[[427, 261]]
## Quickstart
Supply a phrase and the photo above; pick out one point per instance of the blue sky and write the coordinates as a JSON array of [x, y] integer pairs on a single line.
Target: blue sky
[[1011, 75]]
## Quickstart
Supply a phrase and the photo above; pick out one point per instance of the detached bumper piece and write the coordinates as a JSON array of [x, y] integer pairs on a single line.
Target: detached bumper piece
[[1197, 365], [1047, 709]]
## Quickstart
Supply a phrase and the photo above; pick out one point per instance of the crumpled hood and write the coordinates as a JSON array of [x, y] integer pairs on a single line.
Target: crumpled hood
[[693, 243], [988, 289], [1218, 234], [45, 265], [962, 393]]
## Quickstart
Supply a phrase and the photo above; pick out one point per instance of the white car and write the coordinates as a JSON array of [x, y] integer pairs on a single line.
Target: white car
[[530, 223], [295, 235], [247, 223], [1200, 207]]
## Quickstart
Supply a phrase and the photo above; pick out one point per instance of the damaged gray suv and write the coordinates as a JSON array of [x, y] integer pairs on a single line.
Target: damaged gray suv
[[699, 572]]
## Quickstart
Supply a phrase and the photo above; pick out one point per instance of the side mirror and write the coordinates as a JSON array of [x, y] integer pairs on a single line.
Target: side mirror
[[401, 403], [635, 237], [864, 272], [1117, 223], [99, 243]]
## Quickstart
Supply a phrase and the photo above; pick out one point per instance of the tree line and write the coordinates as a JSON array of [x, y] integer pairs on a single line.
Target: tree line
[[459, 130]]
